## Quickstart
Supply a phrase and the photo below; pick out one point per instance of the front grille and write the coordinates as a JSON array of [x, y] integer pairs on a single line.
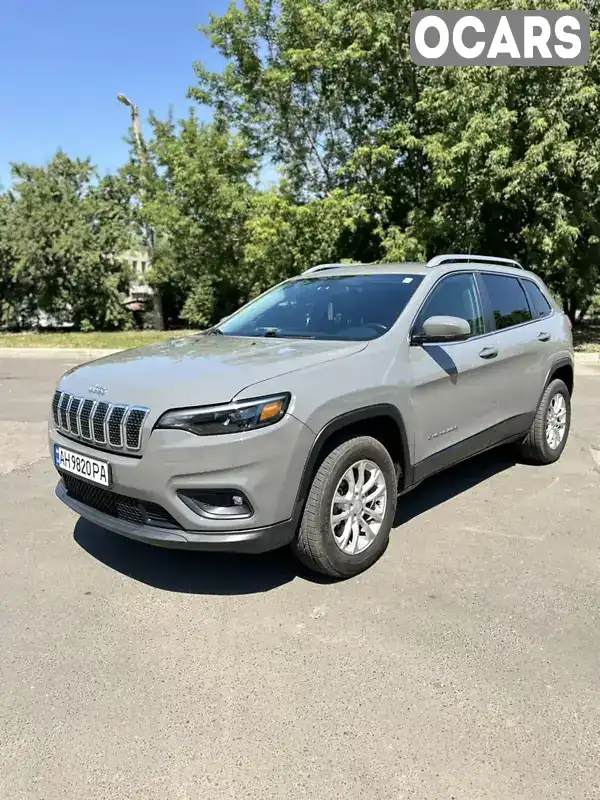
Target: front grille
[[107, 426], [117, 505]]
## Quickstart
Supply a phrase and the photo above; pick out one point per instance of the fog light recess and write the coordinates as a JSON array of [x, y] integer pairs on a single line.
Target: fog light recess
[[217, 503]]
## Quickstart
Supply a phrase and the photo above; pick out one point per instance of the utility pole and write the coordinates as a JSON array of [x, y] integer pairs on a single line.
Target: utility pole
[[140, 145]]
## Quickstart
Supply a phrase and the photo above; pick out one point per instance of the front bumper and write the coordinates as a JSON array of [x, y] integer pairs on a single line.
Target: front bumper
[[265, 465], [256, 540]]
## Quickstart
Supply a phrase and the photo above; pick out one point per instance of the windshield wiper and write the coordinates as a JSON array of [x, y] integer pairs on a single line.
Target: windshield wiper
[[214, 332], [275, 334]]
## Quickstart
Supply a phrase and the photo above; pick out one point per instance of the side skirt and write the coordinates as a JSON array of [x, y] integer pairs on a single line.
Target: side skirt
[[510, 430]]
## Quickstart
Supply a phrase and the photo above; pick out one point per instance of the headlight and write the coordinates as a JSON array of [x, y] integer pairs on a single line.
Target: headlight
[[247, 415]]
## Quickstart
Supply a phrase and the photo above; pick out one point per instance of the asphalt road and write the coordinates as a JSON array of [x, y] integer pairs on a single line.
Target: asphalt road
[[464, 665]]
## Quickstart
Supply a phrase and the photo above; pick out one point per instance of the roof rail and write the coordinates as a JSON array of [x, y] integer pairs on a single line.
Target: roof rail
[[467, 257], [323, 267]]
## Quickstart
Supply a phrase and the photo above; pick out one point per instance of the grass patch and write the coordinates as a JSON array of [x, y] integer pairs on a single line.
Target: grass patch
[[586, 338], [117, 340]]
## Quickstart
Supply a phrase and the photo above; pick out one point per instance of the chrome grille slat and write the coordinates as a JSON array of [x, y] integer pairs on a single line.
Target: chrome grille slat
[[115, 426], [68, 412], [62, 410], [98, 423], [108, 426], [106, 416], [74, 407], [85, 419], [55, 404], [133, 426]]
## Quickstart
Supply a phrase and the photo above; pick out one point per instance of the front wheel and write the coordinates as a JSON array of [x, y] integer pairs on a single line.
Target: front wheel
[[549, 431], [350, 509]]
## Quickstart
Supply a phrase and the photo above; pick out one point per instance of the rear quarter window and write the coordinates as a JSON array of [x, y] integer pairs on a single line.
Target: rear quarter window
[[540, 305]]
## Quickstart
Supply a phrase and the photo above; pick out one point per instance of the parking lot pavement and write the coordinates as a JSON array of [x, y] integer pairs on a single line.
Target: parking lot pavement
[[463, 665]]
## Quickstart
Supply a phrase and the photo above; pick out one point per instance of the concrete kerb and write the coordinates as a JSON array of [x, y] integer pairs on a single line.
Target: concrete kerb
[[82, 354]]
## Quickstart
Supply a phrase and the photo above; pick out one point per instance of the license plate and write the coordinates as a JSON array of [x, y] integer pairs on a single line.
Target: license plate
[[83, 466]]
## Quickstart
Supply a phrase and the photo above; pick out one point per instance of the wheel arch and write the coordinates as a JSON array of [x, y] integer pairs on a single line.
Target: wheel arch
[[382, 421], [563, 370]]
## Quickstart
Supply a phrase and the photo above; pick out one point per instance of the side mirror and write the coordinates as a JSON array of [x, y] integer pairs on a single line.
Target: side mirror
[[442, 330]]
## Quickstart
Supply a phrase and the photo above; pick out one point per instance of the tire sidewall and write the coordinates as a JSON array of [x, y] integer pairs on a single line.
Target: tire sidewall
[[349, 564], [554, 388]]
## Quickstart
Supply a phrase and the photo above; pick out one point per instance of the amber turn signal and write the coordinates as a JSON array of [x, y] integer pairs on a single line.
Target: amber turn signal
[[271, 410]]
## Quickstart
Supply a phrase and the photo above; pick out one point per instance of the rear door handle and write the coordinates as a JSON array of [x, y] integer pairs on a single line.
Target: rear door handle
[[544, 337], [489, 352]]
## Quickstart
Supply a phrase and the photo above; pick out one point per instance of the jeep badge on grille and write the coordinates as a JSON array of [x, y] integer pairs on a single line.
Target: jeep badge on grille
[[101, 390]]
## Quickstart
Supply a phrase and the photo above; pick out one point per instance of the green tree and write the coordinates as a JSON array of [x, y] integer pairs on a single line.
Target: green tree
[[284, 237], [500, 160], [199, 203], [9, 294], [68, 229]]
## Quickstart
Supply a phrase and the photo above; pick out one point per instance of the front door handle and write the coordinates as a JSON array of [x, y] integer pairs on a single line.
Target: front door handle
[[489, 352], [544, 337]]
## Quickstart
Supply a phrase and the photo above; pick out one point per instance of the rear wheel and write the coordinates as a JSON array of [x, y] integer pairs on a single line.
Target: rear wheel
[[549, 432], [350, 509]]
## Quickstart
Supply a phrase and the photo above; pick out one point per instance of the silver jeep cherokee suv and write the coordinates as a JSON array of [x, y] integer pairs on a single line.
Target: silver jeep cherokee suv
[[302, 417]]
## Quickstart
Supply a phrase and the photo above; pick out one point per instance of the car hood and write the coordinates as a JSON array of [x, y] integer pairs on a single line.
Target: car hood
[[197, 370]]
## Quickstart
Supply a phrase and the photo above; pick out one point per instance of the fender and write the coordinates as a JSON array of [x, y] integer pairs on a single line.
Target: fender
[[339, 423]]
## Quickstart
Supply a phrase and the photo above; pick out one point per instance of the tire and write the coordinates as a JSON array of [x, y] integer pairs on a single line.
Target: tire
[[316, 545], [536, 448]]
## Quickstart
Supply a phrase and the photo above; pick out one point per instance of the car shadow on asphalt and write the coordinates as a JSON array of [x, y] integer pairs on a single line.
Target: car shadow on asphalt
[[189, 571], [454, 481], [193, 572]]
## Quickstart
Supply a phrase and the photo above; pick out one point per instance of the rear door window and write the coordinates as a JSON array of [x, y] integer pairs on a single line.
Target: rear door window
[[508, 301], [540, 305]]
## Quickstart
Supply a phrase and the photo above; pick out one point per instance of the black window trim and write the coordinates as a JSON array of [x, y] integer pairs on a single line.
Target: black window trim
[[484, 310], [487, 301]]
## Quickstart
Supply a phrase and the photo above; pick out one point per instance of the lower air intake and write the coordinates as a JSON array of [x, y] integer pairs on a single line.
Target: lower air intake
[[117, 505]]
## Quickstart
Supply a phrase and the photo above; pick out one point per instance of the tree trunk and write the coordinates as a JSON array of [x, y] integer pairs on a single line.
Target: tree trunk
[[157, 307]]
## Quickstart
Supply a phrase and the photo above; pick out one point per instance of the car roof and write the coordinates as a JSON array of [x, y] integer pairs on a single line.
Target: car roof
[[409, 268]]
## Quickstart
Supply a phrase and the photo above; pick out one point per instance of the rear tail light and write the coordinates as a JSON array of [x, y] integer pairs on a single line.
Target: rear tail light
[[569, 321]]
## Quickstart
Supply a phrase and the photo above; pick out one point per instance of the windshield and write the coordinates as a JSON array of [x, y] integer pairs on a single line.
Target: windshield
[[350, 307]]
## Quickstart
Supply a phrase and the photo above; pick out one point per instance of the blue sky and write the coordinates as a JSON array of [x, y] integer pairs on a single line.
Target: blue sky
[[63, 62]]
